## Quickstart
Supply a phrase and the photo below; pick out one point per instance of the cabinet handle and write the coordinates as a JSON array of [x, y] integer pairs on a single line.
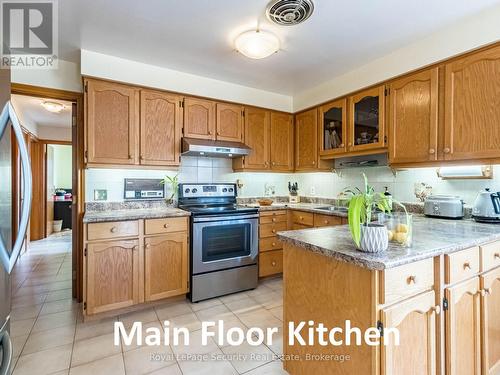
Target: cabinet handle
[[165, 225], [218, 133], [412, 280], [273, 263], [135, 247], [496, 256], [432, 151], [274, 219], [148, 246], [274, 163], [342, 145], [467, 266], [436, 309], [349, 144], [266, 163], [301, 217], [487, 290], [113, 230], [129, 156], [274, 244], [446, 150], [274, 231], [314, 162], [209, 132], [141, 157], [326, 221]]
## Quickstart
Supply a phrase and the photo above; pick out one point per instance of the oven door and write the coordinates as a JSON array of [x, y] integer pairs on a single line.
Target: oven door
[[224, 242]]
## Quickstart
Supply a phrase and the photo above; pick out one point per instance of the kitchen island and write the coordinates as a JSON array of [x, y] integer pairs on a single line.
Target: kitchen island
[[452, 270]]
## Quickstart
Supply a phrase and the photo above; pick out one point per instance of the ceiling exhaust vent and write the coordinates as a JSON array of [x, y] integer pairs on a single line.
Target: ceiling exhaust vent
[[289, 12]]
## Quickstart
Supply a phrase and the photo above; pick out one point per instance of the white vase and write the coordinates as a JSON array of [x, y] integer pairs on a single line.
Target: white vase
[[374, 238]]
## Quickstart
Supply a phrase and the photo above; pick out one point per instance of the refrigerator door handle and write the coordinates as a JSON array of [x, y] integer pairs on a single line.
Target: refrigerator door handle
[[9, 260], [6, 347]]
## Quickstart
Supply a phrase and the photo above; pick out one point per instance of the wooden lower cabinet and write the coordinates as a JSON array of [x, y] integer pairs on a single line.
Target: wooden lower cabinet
[[112, 275], [122, 272], [270, 263], [463, 325], [490, 319], [166, 266], [415, 319]]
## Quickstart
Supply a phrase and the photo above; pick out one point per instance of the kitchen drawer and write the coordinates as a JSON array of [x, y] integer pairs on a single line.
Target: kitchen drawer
[[269, 230], [166, 225], [273, 213], [270, 243], [296, 226], [326, 220], [272, 219], [408, 280], [304, 218], [461, 265], [270, 263], [490, 256], [114, 229]]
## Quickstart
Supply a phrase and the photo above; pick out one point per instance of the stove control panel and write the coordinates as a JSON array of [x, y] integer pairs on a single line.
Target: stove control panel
[[207, 190]]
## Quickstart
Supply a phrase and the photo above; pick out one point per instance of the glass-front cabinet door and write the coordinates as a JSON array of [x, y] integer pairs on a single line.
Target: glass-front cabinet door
[[366, 120], [333, 127]]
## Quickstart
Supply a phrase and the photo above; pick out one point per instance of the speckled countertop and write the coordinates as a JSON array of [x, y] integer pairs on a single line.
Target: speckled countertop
[[431, 237], [308, 207], [132, 214]]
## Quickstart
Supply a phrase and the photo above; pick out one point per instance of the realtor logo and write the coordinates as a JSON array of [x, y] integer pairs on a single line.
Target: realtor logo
[[29, 34]]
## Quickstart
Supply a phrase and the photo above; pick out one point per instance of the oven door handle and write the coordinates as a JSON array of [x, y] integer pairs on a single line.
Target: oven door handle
[[202, 219]]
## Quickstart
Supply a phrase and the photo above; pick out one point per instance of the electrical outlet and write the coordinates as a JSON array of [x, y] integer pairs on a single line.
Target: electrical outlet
[[312, 190], [100, 194]]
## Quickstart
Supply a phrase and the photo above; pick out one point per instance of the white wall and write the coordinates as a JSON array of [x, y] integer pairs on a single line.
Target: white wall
[[54, 133], [479, 30], [62, 166], [66, 77], [118, 69]]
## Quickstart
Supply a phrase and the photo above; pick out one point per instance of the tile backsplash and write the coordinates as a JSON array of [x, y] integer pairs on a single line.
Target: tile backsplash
[[321, 184]]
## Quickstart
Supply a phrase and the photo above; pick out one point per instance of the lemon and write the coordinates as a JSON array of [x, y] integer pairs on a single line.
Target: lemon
[[390, 234], [402, 228], [400, 237]]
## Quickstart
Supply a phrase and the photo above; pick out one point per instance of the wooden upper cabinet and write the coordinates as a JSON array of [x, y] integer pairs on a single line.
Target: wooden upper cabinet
[[199, 118], [160, 128], [333, 128], [166, 266], [463, 353], [490, 318], [367, 120], [415, 319], [257, 137], [281, 141], [413, 118], [111, 123], [229, 122], [472, 106], [112, 275], [306, 140]]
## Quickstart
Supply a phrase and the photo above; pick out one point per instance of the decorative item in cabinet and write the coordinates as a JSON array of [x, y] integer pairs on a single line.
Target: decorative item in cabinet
[[366, 120], [333, 128]]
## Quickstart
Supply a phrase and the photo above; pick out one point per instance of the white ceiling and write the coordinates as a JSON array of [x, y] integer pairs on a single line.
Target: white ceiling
[[196, 36], [31, 110]]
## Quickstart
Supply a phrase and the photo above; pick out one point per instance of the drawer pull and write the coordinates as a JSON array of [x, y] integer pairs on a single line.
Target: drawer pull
[[326, 221], [467, 266], [274, 244], [165, 225], [148, 246], [301, 217], [274, 231], [432, 151], [487, 291], [113, 230], [274, 219], [273, 263], [496, 256], [437, 309], [412, 280]]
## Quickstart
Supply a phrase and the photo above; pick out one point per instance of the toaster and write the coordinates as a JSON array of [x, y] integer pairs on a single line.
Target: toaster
[[444, 206]]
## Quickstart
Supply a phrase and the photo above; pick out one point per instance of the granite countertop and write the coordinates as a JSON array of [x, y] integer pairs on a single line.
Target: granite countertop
[[132, 214], [307, 207], [431, 237]]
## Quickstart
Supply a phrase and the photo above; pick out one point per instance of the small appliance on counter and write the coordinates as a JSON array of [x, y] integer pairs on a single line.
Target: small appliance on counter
[[294, 192], [487, 207], [144, 188], [444, 206]]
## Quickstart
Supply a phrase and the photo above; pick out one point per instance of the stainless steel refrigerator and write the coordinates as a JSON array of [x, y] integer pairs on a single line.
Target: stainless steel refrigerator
[[10, 131]]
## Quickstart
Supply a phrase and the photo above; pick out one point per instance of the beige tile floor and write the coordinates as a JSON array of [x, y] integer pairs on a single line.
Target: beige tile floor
[[50, 337]]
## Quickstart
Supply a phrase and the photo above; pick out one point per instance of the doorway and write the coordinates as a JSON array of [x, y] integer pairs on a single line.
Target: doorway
[[52, 121]]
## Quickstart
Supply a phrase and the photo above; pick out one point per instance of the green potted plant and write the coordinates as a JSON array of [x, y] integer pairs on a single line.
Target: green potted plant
[[370, 236], [172, 183]]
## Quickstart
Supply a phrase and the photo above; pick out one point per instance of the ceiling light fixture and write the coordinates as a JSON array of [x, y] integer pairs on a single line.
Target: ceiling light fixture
[[53, 107], [257, 44]]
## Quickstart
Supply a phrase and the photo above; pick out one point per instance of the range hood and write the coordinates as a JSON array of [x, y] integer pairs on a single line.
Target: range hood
[[218, 149], [375, 160]]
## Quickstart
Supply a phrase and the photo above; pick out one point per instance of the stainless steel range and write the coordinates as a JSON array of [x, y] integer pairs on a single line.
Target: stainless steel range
[[224, 240]]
